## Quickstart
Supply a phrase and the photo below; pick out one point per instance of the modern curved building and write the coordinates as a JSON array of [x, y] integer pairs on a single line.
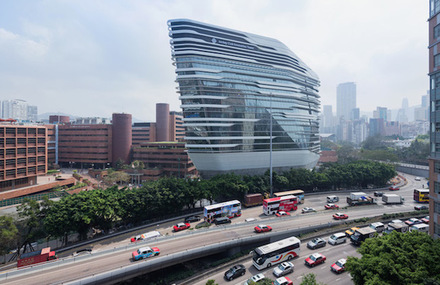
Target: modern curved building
[[238, 90]]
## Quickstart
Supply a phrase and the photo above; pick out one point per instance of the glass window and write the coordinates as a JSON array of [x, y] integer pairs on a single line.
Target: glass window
[[437, 60], [437, 207], [436, 187], [437, 167], [436, 31]]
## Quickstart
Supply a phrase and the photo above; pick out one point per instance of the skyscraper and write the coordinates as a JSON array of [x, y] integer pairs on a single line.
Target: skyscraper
[[15, 109], [239, 91], [345, 100]]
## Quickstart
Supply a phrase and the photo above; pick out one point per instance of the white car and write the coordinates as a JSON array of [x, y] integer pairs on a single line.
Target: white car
[[417, 178], [308, 210], [283, 269], [254, 279]]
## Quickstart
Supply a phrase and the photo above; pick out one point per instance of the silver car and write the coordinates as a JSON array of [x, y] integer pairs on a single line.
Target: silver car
[[283, 269]]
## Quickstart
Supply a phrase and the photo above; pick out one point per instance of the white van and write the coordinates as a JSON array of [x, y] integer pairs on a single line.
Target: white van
[[337, 238], [378, 227], [420, 227], [332, 199]]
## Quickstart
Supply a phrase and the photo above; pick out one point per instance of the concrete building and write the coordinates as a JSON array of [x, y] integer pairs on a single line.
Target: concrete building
[[233, 87], [32, 113], [91, 121], [15, 109], [327, 123], [434, 130], [122, 138], [376, 127], [57, 119], [345, 100], [23, 155]]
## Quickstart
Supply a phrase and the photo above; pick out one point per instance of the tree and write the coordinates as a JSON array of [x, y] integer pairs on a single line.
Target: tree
[[309, 279], [8, 234], [396, 258], [211, 282]]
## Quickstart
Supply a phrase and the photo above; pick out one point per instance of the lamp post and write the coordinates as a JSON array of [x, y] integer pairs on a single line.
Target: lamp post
[[270, 155]]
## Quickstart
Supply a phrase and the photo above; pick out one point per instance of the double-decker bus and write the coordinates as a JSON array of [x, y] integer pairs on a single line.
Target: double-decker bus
[[285, 203], [267, 255], [298, 193], [228, 209], [421, 195]]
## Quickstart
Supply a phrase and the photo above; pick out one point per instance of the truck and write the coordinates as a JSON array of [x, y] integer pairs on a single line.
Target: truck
[[360, 198], [392, 199], [251, 200], [361, 235], [38, 256], [398, 227]]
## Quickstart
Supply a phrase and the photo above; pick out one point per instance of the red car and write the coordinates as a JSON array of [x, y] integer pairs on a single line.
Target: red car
[[394, 188], [282, 213], [315, 259], [338, 266], [181, 227], [331, 206], [425, 220], [340, 216], [283, 281], [262, 228]]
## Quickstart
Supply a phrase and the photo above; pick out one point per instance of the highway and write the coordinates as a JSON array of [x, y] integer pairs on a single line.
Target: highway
[[117, 254]]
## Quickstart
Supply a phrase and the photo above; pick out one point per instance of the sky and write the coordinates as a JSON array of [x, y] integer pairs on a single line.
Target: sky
[[93, 58]]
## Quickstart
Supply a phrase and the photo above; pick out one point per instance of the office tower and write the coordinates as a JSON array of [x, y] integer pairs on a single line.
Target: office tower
[[381, 113], [15, 109], [355, 114], [345, 100], [327, 119], [32, 113], [234, 86], [434, 129]]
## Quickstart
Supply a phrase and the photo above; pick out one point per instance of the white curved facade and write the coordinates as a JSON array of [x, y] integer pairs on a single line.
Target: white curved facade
[[231, 83]]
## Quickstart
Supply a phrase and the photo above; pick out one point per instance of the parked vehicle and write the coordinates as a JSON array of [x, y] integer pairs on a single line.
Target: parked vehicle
[[424, 228], [222, 220], [378, 193], [316, 243], [361, 235], [251, 200], [398, 227], [307, 210], [262, 228], [145, 252], [282, 213], [421, 207], [413, 221], [378, 227], [283, 269], [360, 198], [392, 199], [235, 271], [152, 234], [38, 256], [315, 259], [254, 279], [340, 216], [331, 206], [350, 231], [332, 199], [192, 219], [181, 227], [337, 238], [339, 266], [425, 219], [283, 281]]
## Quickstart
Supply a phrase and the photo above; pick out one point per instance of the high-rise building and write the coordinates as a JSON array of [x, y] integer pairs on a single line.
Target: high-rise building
[[434, 157], [15, 109], [239, 92], [345, 100], [327, 121], [32, 113], [381, 113]]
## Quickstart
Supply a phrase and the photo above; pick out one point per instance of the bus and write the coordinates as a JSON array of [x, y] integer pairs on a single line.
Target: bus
[[228, 209], [421, 195], [267, 255], [285, 203], [298, 193]]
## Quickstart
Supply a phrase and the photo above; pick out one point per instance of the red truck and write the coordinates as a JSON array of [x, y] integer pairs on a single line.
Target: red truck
[[38, 256]]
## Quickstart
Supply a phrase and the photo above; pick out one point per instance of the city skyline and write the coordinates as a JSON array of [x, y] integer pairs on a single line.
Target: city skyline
[[96, 58]]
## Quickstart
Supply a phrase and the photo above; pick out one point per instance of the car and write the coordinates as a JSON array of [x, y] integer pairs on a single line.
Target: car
[[393, 188], [378, 194], [152, 234], [351, 231], [191, 219], [145, 252], [254, 279], [308, 210], [222, 220], [421, 207], [378, 227], [331, 206], [337, 238], [283, 281], [316, 243], [417, 178], [425, 219], [283, 269], [413, 221], [181, 226], [396, 221], [315, 259], [282, 213], [339, 266], [235, 271], [262, 228], [340, 216]]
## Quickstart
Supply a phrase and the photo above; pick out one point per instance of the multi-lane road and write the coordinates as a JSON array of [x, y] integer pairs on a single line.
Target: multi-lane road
[[117, 254]]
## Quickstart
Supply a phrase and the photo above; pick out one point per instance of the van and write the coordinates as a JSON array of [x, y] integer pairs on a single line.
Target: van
[[337, 238], [378, 227], [332, 199], [222, 220], [420, 227]]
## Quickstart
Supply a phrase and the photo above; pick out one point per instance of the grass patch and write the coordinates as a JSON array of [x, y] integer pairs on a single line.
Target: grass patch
[[203, 225]]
